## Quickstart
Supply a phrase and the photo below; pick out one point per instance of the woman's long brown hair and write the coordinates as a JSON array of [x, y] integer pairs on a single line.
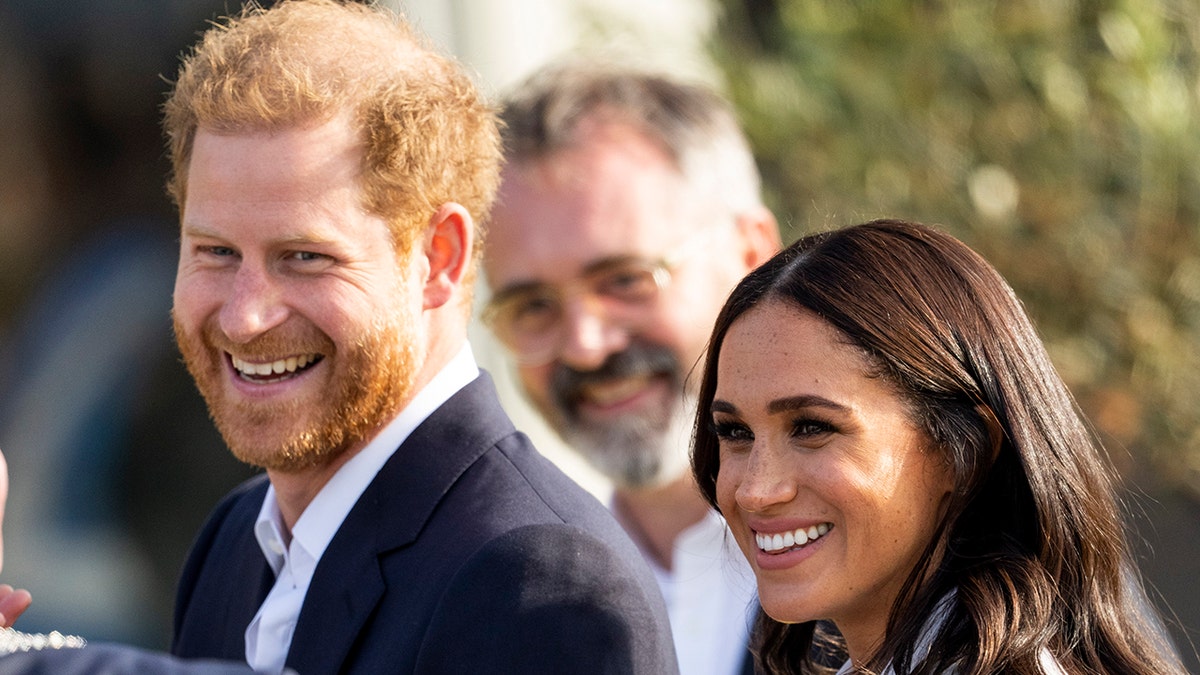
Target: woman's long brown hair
[[1032, 542]]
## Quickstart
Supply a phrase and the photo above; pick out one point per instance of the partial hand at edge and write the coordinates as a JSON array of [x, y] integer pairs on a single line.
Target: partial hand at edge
[[13, 602]]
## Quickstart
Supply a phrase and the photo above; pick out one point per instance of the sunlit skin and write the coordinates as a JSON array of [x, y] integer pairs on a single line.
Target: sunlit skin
[[615, 194], [280, 262], [809, 441]]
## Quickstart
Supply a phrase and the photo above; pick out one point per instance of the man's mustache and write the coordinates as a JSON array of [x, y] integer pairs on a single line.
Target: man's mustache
[[567, 385]]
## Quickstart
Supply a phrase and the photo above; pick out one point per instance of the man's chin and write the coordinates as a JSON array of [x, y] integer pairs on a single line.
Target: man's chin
[[287, 460], [630, 461], [284, 452]]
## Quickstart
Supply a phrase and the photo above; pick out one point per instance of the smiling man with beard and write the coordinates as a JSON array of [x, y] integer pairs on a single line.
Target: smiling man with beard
[[629, 207], [330, 172]]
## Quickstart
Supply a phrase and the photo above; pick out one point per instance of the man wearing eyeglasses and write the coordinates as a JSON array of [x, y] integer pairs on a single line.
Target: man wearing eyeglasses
[[331, 172], [629, 207]]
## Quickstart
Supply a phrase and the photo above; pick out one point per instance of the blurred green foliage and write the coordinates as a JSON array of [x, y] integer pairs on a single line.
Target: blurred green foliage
[[1059, 138]]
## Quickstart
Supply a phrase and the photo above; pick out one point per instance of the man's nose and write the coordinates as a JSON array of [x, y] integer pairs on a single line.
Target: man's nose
[[255, 305], [589, 335]]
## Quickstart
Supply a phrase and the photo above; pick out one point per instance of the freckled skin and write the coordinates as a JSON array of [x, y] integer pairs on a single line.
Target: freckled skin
[[807, 436]]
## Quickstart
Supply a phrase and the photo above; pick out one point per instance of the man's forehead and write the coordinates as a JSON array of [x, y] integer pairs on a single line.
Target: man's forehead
[[596, 149], [552, 251], [577, 207], [552, 263]]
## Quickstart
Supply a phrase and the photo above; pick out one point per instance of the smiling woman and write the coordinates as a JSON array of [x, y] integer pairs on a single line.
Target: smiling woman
[[831, 490], [896, 457]]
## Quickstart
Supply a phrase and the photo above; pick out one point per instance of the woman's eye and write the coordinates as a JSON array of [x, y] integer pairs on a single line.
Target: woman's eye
[[809, 428], [306, 256], [732, 432]]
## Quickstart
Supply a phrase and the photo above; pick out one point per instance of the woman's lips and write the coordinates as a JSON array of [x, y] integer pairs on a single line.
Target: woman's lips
[[780, 542]]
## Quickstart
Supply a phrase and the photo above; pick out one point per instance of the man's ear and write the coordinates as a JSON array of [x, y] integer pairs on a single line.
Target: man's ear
[[759, 234], [449, 240]]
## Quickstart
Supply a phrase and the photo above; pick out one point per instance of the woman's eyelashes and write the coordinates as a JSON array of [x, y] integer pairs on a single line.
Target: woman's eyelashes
[[803, 428], [810, 427], [729, 431]]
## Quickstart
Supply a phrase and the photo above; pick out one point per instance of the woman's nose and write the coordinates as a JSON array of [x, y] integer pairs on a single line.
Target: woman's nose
[[765, 481]]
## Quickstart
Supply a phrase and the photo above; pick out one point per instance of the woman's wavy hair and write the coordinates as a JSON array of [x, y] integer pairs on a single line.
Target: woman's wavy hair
[[429, 137], [1032, 540]]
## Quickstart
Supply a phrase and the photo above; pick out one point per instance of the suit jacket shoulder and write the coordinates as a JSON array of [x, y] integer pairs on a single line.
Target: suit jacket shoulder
[[112, 659], [224, 579], [542, 599], [467, 540]]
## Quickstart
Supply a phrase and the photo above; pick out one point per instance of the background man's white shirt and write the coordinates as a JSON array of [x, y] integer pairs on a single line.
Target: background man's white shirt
[[710, 594]]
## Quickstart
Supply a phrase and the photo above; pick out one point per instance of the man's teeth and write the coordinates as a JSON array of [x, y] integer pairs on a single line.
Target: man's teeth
[[612, 391], [798, 537], [288, 365]]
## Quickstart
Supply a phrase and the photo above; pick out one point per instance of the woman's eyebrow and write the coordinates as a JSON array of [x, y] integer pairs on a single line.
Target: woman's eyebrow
[[803, 401], [784, 404]]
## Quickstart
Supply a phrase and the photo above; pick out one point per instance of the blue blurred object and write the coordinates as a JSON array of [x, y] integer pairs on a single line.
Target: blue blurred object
[[89, 450]]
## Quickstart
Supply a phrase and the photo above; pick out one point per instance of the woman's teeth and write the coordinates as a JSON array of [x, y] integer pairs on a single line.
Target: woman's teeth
[[775, 543]]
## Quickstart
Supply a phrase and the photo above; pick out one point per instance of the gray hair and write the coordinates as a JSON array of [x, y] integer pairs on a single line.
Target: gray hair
[[695, 126]]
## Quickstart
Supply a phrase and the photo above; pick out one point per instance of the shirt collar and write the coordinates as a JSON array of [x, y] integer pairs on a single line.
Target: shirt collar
[[324, 515]]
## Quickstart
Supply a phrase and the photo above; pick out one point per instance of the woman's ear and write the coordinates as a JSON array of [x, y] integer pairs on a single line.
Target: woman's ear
[[449, 241]]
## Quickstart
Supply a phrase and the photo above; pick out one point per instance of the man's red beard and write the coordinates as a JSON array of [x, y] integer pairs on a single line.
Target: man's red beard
[[369, 383]]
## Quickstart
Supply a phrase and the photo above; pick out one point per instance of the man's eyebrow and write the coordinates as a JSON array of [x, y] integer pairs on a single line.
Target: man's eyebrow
[[599, 265], [193, 230], [304, 240], [517, 289], [612, 261]]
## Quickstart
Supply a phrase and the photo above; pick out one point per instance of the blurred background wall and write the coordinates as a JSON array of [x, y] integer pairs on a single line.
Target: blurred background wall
[[1058, 137], [113, 459]]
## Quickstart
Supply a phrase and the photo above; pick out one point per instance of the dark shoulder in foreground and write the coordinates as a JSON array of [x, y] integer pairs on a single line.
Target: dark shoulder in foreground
[[525, 571], [111, 659]]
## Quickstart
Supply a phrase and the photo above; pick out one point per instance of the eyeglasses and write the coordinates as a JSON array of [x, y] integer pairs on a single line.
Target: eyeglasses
[[530, 319]]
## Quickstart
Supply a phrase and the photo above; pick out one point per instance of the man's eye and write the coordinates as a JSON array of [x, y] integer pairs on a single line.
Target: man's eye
[[627, 284], [533, 309], [306, 256], [218, 251]]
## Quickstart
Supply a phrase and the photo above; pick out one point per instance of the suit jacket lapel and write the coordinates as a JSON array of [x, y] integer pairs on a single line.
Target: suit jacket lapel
[[257, 580], [221, 602], [250, 581], [348, 583]]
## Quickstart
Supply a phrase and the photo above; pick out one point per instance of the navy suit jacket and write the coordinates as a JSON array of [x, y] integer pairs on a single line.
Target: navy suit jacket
[[469, 552], [112, 659]]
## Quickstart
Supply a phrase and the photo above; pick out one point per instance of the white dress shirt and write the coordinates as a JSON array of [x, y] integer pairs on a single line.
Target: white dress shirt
[[269, 635], [710, 596]]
